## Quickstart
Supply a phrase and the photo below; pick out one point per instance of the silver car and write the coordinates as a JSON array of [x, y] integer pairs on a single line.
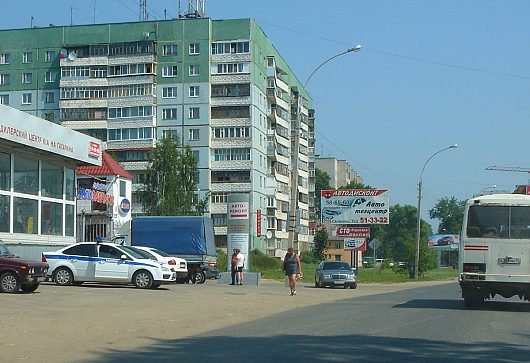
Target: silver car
[[335, 273]]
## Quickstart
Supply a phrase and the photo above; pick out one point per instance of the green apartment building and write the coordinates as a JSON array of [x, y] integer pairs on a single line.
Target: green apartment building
[[220, 85]]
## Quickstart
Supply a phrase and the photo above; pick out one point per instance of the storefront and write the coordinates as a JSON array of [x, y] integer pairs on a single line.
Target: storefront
[[103, 200], [38, 160]]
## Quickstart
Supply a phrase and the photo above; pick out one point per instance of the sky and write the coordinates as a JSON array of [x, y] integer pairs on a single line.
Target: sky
[[430, 74]]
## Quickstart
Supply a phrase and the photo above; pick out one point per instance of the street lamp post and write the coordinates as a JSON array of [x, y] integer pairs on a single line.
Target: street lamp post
[[293, 233], [417, 259]]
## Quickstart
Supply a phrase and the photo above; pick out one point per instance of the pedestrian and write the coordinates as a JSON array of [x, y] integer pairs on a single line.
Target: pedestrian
[[240, 266], [292, 267], [233, 267]]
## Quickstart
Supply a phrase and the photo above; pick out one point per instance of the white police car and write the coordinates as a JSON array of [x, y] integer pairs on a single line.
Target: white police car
[[106, 263]]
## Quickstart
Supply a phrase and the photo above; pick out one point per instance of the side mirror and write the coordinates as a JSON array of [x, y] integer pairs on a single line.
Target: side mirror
[[123, 257]]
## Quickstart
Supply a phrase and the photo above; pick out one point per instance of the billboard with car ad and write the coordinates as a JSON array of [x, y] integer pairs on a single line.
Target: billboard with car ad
[[444, 241], [355, 206]]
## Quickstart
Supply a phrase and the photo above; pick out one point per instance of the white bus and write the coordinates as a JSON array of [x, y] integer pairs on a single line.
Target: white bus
[[494, 256]]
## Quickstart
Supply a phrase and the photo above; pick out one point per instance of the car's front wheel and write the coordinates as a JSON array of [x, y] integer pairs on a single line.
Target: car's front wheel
[[63, 276], [198, 277], [9, 283], [143, 279], [30, 288]]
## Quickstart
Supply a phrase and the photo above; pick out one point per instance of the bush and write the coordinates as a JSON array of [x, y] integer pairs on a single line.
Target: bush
[[222, 259], [308, 257], [261, 262]]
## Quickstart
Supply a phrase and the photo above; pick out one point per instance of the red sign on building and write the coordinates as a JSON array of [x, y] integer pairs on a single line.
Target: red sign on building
[[258, 223], [353, 232]]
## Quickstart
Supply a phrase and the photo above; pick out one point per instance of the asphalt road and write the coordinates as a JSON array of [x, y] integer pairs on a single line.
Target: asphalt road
[[218, 323]]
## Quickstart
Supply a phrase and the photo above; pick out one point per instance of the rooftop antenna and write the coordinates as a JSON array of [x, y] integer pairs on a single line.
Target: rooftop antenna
[[94, 12], [194, 10], [143, 16], [32, 21]]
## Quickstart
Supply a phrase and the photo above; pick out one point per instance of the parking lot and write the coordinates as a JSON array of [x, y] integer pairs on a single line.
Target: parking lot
[[84, 322]]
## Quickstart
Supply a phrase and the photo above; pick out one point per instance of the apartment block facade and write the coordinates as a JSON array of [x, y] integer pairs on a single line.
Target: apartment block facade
[[340, 172], [220, 86]]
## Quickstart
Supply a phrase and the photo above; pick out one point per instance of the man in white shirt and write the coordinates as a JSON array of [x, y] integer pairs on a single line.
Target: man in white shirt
[[239, 267]]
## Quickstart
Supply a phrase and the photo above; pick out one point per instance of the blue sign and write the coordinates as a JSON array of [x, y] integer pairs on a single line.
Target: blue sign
[[125, 206]]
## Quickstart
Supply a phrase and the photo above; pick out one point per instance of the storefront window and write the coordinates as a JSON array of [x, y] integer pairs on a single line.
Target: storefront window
[[70, 184], [52, 219], [4, 213], [69, 220], [26, 175], [5, 171], [52, 181], [25, 212]]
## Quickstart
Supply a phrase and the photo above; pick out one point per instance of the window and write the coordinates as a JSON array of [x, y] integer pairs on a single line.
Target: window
[[140, 133], [85, 249], [49, 97], [5, 58], [170, 133], [230, 47], [26, 175], [69, 220], [49, 76], [194, 91], [231, 90], [194, 70], [194, 134], [4, 100], [26, 98], [194, 48], [27, 57], [230, 132], [4, 79], [230, 112], [127, 112], [123, 188], [229, 68], [5, 171], [169, 71], [170, 49], [231, 154], [219, 197], [27, 77], [169, 114], [194, 113], [52, 218], [49, 56], [4, 213], [169, 92], [69, 184], [25, 215], [52, 180]]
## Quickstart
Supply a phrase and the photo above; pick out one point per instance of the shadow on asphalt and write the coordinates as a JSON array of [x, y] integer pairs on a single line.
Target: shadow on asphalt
[[303, 348], [459, 305]]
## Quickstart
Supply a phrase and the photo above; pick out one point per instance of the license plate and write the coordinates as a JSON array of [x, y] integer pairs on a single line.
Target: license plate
[[339, 282]]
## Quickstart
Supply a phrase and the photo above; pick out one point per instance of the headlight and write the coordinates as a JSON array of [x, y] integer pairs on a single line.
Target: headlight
[[31, 271], [350, 277], [326, 276], [165, 269]]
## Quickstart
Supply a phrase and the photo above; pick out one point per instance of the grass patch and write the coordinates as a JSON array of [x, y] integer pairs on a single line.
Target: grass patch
[[271, 268]]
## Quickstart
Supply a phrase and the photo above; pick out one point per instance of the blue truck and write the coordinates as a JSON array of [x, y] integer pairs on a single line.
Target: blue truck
[[188, 237]]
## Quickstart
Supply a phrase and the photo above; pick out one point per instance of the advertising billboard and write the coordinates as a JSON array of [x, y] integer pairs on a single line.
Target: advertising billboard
[[444, 241], [355, 206]]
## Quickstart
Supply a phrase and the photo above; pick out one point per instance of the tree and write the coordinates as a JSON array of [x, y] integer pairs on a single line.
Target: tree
[[450, 212], [322, 180], [320, 240], [171, 181], [399, 239]]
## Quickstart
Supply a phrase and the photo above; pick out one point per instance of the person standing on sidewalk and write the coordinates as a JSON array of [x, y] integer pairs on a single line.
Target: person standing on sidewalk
[[240, 266], [233, 267], [292, 267]]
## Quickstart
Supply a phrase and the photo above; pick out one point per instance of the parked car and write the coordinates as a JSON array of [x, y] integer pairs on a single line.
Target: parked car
[[19, 274], [106, 263], [335, 273], [177, 264]]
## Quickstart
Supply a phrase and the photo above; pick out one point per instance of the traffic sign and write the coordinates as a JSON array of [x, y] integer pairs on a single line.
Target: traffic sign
[[374, 244]]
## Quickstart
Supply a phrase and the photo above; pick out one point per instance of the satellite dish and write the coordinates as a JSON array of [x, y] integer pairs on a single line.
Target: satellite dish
[[63, 53], [268, 234], [72, 56]]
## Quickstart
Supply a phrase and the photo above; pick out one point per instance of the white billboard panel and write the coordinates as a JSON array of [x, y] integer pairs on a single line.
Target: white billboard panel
[[355, 206]]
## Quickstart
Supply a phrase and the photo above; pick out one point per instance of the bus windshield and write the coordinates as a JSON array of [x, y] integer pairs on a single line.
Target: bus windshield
[[491, 221]]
